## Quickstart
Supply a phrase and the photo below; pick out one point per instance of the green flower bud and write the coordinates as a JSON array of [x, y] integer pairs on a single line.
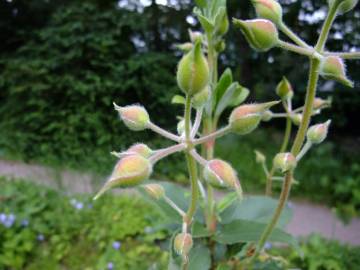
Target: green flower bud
[[261, 34], [183, 243], [268, 9], [259, 157], [155, 191], [224, 26], [333, 68], [285, 162], [245, 118], [267, 116], [284, 89], [185, 47], [317, 133], [135, 117], [141, 149], [200, 99], [181, 127], [296, 119], [129, 171], [193, 71], [220, 173], [345, 6]]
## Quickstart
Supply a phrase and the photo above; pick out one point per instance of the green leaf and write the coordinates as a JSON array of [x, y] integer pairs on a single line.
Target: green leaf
[[199, 258], [177, 99], [239, 96], [255, 208], [220, 14], [230, 94], [199, 230], [201, 3], [250, 231], [206, 24], [223, 84]]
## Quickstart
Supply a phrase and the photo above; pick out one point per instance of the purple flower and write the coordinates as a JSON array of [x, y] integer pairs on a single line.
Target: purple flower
[[25, 223], [7, 220], [79, 205], [116, 245], [267, 245], [40, 237], [3, 217], [110, 266]]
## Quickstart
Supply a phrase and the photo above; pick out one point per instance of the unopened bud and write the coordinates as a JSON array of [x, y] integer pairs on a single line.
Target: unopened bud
[[245, 118], [185, 47], [285, 162], [267, 116], [155, 191], [224, 26], [183, 243], [259, 157], [268, 9], [345, 6], [320, 103], [296, 119], [333, 68], [193, 71], [261, 34], [129, 171], [195, 36], [318, 133], [141, 149], [181, 127], [200, 99], [284, 89], [135, 117]]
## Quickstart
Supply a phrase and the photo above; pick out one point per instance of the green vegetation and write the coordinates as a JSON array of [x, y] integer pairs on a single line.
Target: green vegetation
[[43, 229]]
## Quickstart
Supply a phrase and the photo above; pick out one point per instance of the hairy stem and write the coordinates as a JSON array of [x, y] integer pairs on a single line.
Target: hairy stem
[[287, 31], [221, 132], [344, 55], [163, 132], [161, 153], [310, 52]]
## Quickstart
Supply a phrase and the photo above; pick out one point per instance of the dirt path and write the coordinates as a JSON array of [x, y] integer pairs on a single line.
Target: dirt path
[[308, 218]]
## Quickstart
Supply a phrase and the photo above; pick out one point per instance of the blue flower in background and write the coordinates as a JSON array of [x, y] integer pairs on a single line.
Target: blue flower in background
[[79, 205], [25, 223], [40, 237], [3, 218], [267, 245], [7, 220], [116, 245], [110, 266]]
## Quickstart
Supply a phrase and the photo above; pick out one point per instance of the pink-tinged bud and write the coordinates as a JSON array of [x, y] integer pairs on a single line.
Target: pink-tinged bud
[[195, 36], [284, 89], [268, 9], [261, 34], [129, 171], [245, 118], [285, 162], [155, 191], [259, 157], [135, 117], [141, 149], [193, 71], [296, 119], [318, 133], [333, 68], [320, 103], [183, 243], [200, 99]]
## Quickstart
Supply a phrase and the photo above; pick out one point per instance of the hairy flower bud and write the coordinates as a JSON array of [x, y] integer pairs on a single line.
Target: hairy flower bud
[[129, 171], [296, 119], [317, 133], [195, 36], [261, 34], [155, 191], [183, 243], [200, 99], [193, 71], [135, 117], [268, 9], [245, 118], [259, 157], [141, 149], [285, 162], [284, 89], [333, 68], [320, 103], [185, 47]]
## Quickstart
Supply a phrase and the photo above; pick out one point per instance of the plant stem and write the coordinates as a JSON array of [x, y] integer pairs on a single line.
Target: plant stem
[[344, 55], [192, 167], [327, 25], [287, 31], [161, 153], [304, 150], [197, 123], [163, 132], [299, 50], [221, 132]]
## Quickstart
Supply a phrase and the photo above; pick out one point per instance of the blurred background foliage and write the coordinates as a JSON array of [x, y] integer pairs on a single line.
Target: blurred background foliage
[[63, 63]]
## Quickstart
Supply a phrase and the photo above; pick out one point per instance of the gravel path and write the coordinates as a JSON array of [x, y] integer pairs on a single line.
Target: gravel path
[[308, 217]]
